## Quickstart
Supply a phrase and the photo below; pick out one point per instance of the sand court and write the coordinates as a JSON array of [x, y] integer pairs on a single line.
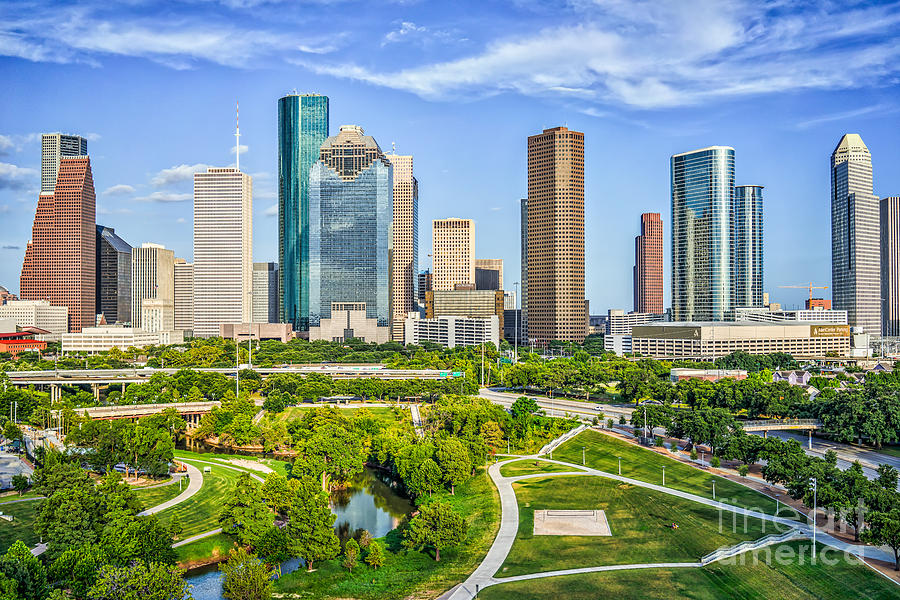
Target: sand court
[[571, 522]]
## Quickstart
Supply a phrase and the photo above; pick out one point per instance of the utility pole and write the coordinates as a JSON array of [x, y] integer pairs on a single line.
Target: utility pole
[[237, 366], [815, 499], [482, 364]]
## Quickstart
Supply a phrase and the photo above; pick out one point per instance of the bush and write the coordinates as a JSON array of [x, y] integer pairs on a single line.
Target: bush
[[659, 442], [693, 454], [621, 419], [715, 462], [674, 447], [609, 423], [743, 470]]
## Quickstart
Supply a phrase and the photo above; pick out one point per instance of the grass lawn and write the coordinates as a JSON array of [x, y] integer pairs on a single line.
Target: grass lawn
[[203, 551], [200, 512], [528, 466], [408, 573], [381, 413], [22, 525], [639, 520], [279, 466], [157, 495], [14, 496], [646, 465], [790, 581]]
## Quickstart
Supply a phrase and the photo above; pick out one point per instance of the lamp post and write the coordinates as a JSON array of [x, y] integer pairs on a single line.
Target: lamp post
[[815, 499], [664, 476], [714, 489], [777, 509], [620, 464], [582, 456]]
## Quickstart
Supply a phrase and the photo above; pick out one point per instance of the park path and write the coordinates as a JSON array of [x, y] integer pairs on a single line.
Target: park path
[[223, 465], [483, 575], [195, 482], [199, 536], [416, 419]]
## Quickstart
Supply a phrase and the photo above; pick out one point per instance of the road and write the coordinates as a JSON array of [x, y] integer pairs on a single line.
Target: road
[[558, 407]]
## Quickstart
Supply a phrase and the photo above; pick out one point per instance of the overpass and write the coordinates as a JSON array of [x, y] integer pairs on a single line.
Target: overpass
[[767, 425], [191, 411]]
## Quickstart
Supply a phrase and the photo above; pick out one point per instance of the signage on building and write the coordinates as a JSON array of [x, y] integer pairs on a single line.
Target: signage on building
[[829, 331]]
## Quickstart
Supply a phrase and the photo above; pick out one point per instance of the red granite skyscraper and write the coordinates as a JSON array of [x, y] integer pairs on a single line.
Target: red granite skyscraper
[[60, 259], [648, 265]]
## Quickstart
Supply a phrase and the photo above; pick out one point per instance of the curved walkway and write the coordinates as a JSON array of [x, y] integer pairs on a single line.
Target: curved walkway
[[483, 575], [223, 465], [195, 482]]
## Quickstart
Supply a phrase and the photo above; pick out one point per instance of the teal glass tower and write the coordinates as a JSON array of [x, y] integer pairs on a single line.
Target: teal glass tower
[[702, 201], [302, 128]]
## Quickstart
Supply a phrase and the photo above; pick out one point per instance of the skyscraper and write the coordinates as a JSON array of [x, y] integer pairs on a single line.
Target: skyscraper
[[747, 246], [223, 249], [555, 293], [60, 260], [54, 146], [523, 256], [153, 278], [702, 200], [890, 265], [452, 253], [184, 295], [423, 285], [648, 265], [488, 273], [350, 211], [855, 254], [302, 127], [113, 279], [404, 242], [265, 292]]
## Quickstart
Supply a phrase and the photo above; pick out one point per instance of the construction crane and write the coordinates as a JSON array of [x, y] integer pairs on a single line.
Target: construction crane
[[809, 287]]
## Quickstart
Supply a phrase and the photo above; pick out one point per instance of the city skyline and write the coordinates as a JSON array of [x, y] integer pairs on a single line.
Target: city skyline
[[144, 197]]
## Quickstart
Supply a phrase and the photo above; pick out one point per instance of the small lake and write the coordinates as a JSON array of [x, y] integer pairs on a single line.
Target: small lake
[[371, 501]]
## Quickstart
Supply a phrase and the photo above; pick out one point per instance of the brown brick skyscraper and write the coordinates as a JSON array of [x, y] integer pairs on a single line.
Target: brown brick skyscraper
[[60, 259], [648, 265], [556, 308]]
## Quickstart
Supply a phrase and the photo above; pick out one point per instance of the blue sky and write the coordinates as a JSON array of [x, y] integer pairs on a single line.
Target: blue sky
[[460, 85]]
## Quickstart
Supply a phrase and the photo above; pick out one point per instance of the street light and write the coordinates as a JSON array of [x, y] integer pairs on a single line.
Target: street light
[[815, 491], [620, 464], [582, 456], [664, 477], [714, 489]]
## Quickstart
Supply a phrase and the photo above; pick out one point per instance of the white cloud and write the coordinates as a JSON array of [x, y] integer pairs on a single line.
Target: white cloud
[[6, 144], [118, 190], [13, 177], [180, 220], [271, 211], [243, 148], [92, 137], [848, 114], [165, 197], [406, 30], [177, 174]]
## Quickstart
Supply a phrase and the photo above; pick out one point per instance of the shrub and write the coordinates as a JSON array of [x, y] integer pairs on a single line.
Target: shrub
[[743, 470], [693, 454], [659, 442], [674, 447], [715, 462]]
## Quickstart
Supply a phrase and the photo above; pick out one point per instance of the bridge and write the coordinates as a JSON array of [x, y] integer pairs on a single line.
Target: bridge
[[191, 411], [767, 425]]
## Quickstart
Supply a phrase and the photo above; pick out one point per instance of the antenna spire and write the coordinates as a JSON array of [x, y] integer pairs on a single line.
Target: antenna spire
[[237, 135]]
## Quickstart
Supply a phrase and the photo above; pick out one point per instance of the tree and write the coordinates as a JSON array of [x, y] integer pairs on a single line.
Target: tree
[[26, 570], [436, 525], [68, 518], [12, 432], [246, 577], [375, 557], [175, 526], [140, 582], [884, 530], [351, 554], [245, 515], [77, 569], [523, 407], [310, 527], [453, 459], [20, 483], [129, 539]]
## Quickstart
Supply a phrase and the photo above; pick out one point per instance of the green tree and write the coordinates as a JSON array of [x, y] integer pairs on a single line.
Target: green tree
[[20, 483], [68, 518], [351, 554], [375, 556], [140, 582], [77, 569], [26, 570], [128, 539], [436, 525], [883, 529], [246, 577], [310, 527], [245, 515], [454, 462], [175, 526]]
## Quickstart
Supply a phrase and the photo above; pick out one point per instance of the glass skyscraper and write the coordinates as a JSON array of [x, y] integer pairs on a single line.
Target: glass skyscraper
[[702, 200], [302, 127], [747, 246], [350, 212]]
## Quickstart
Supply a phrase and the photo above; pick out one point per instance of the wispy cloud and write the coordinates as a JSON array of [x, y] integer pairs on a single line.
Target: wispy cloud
[[6, 145], [177, 174], [118, 190], [119, 210], [271, 211], [180, 220], [242, 147], [165, 197], [408, 31], [13, 177], [10, 247], [847, 114]]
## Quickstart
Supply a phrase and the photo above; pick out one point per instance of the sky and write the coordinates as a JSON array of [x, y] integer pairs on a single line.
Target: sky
[[459, 85]]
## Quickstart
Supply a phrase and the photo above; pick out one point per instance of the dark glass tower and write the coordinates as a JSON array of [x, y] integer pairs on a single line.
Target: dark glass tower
[[113, 276], [302, 127], [747, 246]]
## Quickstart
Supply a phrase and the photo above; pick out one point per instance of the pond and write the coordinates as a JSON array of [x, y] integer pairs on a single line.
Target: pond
[[371, 502]]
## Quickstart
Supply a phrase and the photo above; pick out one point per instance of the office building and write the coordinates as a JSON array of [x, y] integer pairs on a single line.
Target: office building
[[60, 260], [37, 313], [265, 292], [350, 212], [302, 128], [509, 300], [94, 340], [555, 286], [812, 303], [223, 249], [523, 256], [702, 199], [54, 147], [618, 322], [6, 296], [617, 343], [747, 246], [774, 314], [890, 265], [711, 340], [113, 285], [855, 239], [404, 242], [349, 320], [465, 303], [682, 374], [282, 332], [488, 273], [153, 277], [454, 331], [648, 265], [184, 296], [452, 253]]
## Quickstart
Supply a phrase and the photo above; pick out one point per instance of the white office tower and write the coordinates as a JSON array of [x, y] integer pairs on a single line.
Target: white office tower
[[184, 295], [153, 278], [53, 147], [223, 249]]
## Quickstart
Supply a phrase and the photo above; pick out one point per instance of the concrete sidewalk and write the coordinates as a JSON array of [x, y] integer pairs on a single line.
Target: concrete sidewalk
[[194, 484]]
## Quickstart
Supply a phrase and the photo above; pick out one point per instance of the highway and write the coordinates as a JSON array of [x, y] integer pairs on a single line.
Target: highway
[[558, 407]]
